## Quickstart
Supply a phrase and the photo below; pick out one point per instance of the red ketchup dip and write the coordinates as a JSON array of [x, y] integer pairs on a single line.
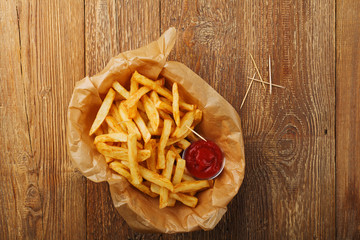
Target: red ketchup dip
[[204, 159]]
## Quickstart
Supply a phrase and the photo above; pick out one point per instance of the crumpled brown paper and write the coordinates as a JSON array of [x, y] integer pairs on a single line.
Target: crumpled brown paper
[[220, 123]]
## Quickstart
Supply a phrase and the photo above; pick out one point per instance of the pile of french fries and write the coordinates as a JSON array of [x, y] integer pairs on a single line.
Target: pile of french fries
[[141, 133]]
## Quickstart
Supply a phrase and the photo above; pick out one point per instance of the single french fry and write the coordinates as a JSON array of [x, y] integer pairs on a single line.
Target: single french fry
[[112, 123], [122, 165], [175, 104], [170, 158], [154, 97], [155, 188], [131, 127], [151, 112], [99, 131], [142, 127], [151, 161], [103, 111], [190, 186], [131, 103], [172, 141], [186, 177], [121, 90], [108, 159], [111, 137], [160, 81], [179, 171], [134, 85], [164, 197], [110, 130], [120, 169], [185, 122], [171, 202], [133, 163], [120, 153], [155, 178], [197, 117], [145, 189], [162, 144], [183, 144], [159, 89], [164, 193], [185, 199]]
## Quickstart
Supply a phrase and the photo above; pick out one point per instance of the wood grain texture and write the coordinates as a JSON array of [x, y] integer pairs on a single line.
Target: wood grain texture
[[289, 136], [292, 187], [348, 120], [43, 46]]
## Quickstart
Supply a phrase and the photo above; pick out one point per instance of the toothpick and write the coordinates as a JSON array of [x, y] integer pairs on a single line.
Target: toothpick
[[247, 91], [274, 85], [270, 74], [196, 133], [257, 69]]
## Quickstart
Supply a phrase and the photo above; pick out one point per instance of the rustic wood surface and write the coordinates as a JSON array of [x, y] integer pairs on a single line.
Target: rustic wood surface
[[302, 143], [348, 120]]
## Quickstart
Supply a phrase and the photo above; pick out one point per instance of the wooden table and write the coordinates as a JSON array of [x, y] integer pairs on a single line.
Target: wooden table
[[302, 143]]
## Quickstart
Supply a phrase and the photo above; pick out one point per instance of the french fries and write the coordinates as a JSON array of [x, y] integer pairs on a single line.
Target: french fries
[[164, 193], [111, 137], [141, 132], [175, 104], [121, 153], [162, 144], [103, 111]]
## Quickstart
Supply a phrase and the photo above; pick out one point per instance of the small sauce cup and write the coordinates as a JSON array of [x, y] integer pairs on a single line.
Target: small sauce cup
[[203, 159]]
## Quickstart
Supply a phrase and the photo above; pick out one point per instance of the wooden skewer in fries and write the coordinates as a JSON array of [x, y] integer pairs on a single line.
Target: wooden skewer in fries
[[197, 134]]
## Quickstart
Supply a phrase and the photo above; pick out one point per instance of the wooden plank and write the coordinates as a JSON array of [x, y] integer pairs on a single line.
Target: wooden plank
[[289, 187], [347, 120], [14, 132], [43, 46], [113, 27]]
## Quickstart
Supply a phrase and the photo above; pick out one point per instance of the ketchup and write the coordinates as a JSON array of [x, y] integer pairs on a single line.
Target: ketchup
[[203, 159]]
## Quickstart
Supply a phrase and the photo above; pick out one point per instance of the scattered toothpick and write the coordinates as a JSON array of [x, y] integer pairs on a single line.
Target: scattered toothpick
[[272, 84], [196, 133], [270, 74], [257, 69], [247, 91]]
